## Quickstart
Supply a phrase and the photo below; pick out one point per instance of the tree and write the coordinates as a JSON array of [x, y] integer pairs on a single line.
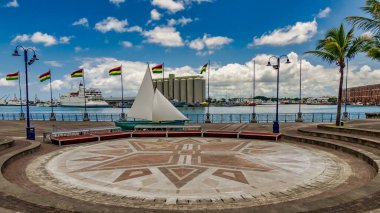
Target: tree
[[336, 47], [371, 24], [368, 24]]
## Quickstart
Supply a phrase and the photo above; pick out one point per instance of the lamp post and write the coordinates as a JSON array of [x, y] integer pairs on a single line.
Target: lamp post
[[254, 120], [299, 114], [30, 133], [276, 124]]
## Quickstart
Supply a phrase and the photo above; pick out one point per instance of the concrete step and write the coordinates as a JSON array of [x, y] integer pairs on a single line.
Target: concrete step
[[6, 143], [369, 141], [350, 130], [368, 154]]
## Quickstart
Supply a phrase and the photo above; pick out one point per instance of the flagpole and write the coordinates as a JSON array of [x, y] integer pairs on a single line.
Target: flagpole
[[22, 116], [163, 79], [85, 116], [122, 116], [208, 94], [52, 116], [254, 93]]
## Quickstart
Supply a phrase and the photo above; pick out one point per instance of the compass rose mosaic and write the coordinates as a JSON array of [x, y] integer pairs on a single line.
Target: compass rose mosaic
[[185, 168]]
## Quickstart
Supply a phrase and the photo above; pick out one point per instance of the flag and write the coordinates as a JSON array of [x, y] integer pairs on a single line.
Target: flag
[[12, 76], [204, 68], [77, 74], [44, 76], [115, 71], [157, 69]]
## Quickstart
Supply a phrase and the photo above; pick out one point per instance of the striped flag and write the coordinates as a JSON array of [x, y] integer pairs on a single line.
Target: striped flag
[[77, 74], [45, 76], [157, 69], [115, 71], [13, 76], [204, 68]]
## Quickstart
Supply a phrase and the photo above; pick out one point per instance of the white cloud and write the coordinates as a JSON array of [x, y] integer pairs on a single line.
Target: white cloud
[[170, 5], [78, 49], [164, 36], [181, 21], [65, 39], [324, 13], [111, 23], [155, 15], [134, 29], [12, 3], [41, 38], [126, 44], [81, 22], [296, 34], [233, 79], [5, 83], [208, 44], [53, 63], [117, 2], [56, 85]]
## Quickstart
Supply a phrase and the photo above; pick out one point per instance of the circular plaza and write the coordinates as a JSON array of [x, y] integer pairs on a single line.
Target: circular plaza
[[180, 171]]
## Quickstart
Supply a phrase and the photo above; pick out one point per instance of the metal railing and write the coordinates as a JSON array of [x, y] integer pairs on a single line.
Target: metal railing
[[194, 118]]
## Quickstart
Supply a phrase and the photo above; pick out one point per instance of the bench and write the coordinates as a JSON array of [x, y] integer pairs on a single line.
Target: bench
[[220, 133], [77, 132], [65, 140], [260, 135]]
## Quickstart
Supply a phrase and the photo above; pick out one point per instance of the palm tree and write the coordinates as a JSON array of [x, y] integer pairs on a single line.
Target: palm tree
[[371, 24], [368, 24], [336, 47]]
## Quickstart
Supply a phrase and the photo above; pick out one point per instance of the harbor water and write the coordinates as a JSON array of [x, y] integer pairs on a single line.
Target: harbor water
[[234, 114]]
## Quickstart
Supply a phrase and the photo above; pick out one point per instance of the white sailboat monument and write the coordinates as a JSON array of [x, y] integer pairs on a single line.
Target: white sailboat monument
[[152, 107]]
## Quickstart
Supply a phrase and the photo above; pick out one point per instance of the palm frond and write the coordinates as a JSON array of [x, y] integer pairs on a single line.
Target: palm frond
[[326, 56]]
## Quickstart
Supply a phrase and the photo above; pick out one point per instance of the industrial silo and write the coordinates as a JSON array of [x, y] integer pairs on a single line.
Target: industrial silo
[[159, 85], [177, 93], [171, 86], [198, 93], [204, 95], [166, 89], [190, 90], [183, 90]]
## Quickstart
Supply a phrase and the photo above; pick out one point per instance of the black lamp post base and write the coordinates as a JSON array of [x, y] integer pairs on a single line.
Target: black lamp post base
[[30, 133], [207, 121], [85, 117], [276, 127], [345, 116], [123, 117], [253, 120], [299, 117], [22, 116], [52, 117]]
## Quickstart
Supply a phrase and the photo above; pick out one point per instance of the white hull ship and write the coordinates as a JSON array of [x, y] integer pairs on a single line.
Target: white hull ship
[[94, 98]]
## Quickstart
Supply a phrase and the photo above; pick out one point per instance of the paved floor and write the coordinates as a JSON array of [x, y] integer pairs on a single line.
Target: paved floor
[[186, 170]]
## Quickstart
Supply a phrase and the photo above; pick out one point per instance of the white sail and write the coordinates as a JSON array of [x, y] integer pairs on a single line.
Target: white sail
[[153, 106], [163, 110], [143, 105]]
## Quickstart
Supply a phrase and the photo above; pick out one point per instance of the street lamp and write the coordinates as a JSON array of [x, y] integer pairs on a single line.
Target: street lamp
[[30, 133], [276, 124], [299, 114]]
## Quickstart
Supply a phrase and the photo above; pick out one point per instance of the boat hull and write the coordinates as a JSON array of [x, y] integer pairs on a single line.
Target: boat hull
[[130, 125]]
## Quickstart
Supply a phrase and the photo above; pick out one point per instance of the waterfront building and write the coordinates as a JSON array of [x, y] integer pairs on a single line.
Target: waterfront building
[[189, 89], [367, 95]]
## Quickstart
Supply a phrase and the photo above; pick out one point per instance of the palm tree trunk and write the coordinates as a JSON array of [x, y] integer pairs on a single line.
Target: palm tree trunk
[[339, 104]]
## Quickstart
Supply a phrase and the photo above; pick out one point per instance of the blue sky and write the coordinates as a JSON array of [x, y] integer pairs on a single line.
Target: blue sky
[[182, 33]]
